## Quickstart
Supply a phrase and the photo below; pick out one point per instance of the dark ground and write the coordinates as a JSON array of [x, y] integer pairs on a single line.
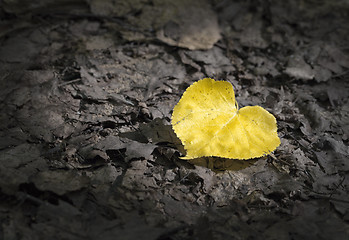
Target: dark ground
[[87, 92]]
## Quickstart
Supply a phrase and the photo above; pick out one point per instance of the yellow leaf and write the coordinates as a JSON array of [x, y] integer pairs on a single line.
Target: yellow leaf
[[208, 122]]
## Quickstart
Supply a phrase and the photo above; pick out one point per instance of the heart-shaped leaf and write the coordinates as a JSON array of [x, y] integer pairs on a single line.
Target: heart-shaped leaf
[[209, 123]]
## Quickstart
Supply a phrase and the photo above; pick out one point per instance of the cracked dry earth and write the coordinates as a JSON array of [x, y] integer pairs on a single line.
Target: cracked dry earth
[[87, 92]]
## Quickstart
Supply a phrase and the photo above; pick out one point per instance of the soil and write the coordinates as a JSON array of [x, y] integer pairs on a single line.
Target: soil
[[87, 89]]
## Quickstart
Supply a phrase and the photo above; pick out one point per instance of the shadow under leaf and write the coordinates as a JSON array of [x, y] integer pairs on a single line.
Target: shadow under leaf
[[218, 164], [158, 132]]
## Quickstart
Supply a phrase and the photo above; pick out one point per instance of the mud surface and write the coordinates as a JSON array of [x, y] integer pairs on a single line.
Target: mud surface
[[87, 90]]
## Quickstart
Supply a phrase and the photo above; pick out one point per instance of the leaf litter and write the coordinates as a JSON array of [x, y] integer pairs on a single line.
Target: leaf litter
[[87, 93]]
